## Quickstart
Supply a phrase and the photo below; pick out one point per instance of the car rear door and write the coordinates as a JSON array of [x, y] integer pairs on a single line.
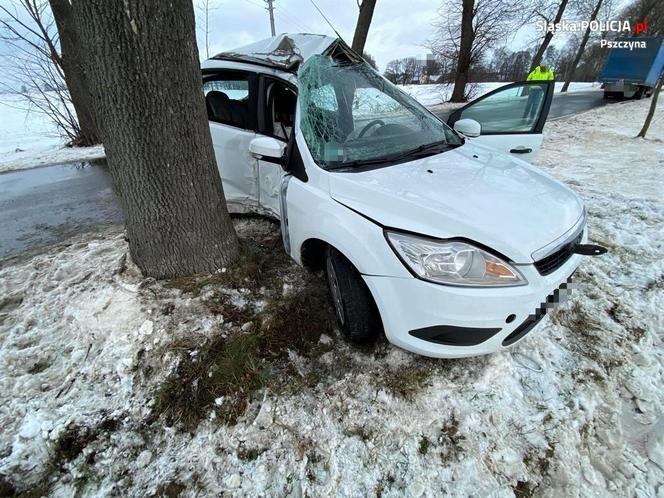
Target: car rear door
[[231, 100], [512, 117]]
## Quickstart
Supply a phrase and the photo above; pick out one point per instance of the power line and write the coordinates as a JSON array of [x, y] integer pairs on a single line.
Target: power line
[[294, 18], [326, 19]]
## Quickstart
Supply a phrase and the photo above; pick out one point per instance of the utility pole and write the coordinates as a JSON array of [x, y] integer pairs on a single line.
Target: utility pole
[[270, 9]]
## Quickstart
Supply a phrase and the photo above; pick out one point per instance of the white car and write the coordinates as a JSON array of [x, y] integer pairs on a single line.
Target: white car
[[443, 238]]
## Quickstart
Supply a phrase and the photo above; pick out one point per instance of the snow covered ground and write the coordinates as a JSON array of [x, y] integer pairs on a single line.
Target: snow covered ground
[[29, 139], [576, 409]]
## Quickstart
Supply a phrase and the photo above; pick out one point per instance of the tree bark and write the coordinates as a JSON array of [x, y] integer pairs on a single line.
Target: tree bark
[[74, 75], [548, 37], [363, 24], [141, 60], [465, 52], [579, 52], [651, 111]]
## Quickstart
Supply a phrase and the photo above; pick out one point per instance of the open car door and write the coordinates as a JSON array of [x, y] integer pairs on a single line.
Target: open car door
[[511, 117]]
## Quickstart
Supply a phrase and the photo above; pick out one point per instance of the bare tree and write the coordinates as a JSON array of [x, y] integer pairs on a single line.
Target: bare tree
[[651, 110], [70, 59], [468, 29], [44, 63], [544, 11], [363, 24], [203, 8], [582, 46], [143, 59], [650, 10]]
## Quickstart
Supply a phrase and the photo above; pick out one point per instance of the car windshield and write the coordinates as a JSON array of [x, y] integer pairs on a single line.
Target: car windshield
[[351, 116]]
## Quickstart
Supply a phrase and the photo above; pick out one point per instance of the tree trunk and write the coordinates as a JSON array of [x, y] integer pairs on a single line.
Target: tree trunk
[[548, 37], [465, 52], [579, 52], [362, 26], [72, 67], [141, 61], [651, 111]]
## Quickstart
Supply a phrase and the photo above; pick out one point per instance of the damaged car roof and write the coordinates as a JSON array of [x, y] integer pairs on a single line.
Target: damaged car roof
[[286, 51]]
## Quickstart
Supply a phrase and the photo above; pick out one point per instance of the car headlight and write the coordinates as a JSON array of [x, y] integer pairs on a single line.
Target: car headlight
[[453, 262]]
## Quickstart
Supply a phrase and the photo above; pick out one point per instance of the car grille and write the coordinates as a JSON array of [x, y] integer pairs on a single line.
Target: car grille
[[552, 262]]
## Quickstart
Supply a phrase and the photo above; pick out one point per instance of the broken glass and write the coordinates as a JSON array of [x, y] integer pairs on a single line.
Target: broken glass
[[350, 115]]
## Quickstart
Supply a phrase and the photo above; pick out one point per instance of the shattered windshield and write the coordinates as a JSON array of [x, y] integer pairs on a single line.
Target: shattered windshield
[[351, 116]]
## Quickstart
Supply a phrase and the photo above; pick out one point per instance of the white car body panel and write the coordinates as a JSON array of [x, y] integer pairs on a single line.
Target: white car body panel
[[231, 148], [468, 192], [479, 192], [507, 143]]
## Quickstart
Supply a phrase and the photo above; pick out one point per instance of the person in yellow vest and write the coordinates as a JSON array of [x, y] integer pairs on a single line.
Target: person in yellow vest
[[541, 73]]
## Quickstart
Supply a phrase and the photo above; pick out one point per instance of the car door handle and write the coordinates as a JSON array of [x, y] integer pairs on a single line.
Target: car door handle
[[521, 150]]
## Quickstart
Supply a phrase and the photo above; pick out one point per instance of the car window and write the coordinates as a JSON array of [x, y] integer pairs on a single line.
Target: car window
[[351, 116], [230, 100], [515, 109], [280, 102]]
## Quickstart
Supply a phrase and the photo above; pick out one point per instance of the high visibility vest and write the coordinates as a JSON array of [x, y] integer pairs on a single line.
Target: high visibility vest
[[537, 74]]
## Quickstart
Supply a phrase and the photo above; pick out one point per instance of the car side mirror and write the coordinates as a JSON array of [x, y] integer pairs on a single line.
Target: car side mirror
[[468, 128], [267, 148]]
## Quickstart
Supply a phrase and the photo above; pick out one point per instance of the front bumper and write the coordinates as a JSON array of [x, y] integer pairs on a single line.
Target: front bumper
[[410, 304]]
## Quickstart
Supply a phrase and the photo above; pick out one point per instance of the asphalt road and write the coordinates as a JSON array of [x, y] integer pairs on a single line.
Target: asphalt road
[[45, 205], [565, 104]]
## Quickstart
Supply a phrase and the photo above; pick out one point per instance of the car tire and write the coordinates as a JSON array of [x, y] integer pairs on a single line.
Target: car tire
[[354, 307]]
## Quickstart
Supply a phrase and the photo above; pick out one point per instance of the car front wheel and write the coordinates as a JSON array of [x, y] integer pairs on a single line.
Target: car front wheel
[[354, 307]]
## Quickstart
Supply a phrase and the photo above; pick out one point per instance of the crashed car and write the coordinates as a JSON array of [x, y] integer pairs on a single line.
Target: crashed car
[[438, 234]]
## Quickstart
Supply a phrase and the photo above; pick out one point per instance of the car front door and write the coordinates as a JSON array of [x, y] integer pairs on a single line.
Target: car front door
[[231, 100], [511, 117], [277, 115]]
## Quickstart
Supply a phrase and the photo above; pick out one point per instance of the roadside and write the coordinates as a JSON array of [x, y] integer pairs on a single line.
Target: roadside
[[28, 140], [115, 384]]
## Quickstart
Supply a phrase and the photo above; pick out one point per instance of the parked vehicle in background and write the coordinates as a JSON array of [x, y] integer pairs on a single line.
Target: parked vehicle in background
[[441, 237], [633, 72]]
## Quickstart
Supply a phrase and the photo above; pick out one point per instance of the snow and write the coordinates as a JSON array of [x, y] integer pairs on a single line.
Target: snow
[[28, 139], [438, 93], [575, 409]]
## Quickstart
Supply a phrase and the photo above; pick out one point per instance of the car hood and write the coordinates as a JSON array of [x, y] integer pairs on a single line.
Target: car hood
[[471, 192]]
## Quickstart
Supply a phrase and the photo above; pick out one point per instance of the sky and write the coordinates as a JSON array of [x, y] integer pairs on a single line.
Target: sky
[[400, 28]]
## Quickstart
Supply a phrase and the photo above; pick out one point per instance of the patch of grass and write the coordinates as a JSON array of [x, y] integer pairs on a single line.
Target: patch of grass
[[38, 367], [75, 439], [171, 489], [235, 367], [407, 382], [66, 448], [383, 484], [524, 489], [250, 454], [223, 368], [450, 439], [654, 285], [6, 488], [258, 265], [424, 445], [359, 432]]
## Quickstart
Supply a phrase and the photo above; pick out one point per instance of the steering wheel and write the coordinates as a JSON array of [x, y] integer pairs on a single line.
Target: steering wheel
[[370, 125]]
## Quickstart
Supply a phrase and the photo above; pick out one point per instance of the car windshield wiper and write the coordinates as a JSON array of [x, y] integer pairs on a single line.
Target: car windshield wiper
[[422, 150]]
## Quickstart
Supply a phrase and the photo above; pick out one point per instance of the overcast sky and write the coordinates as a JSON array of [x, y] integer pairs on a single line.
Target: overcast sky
[[399, 28]]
